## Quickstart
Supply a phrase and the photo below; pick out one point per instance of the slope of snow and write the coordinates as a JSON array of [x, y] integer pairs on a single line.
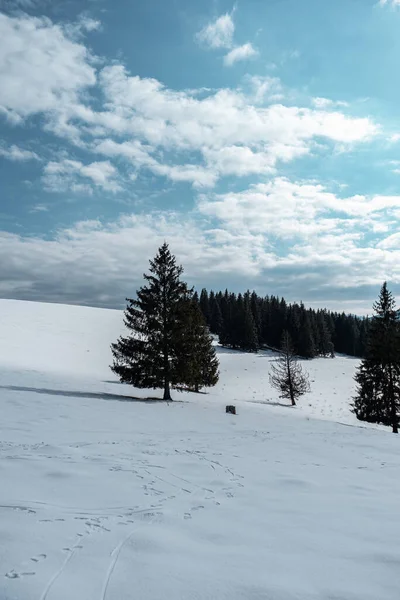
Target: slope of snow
[[107, 498]]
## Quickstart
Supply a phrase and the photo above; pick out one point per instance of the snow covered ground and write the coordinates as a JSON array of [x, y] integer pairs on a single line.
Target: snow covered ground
[[103, 497]]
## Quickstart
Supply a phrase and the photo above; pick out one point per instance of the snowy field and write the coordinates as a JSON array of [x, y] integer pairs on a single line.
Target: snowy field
[[104, 497]]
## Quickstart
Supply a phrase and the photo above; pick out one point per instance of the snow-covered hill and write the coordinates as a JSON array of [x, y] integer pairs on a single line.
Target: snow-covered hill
[[106, 498]]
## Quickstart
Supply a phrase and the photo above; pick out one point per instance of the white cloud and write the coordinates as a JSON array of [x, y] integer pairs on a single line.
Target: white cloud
[[81, 26], [218, 33], [238, 240], [239, 161], [326, 103], [158, 117], [39, 208], [73, 175], [139, 156], [390, 2], [198, 176], [156, 126], [392, 242], [17, 154], [290, 210], [265, 89], [40, 68], [92, 263], [240, 53], [89, 24]]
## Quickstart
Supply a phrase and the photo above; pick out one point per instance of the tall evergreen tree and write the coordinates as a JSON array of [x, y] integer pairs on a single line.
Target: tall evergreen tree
[[306, 345], [205, 305], [378, 378], [287, 375], [324, 338], [148, 357], [249, 338], [197, 360], [255, 303], [216, 320]]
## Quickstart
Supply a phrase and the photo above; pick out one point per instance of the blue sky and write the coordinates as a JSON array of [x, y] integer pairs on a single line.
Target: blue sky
[[260, 139]]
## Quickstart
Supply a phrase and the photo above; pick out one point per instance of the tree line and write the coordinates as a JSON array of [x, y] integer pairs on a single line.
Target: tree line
[[249, 322]]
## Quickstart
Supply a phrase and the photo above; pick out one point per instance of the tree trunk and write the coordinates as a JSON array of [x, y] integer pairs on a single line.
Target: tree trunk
[[196, 388], [290, 381], [167, 392]]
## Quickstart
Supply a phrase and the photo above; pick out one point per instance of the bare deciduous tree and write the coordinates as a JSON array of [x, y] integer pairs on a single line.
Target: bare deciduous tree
[[287, 375]]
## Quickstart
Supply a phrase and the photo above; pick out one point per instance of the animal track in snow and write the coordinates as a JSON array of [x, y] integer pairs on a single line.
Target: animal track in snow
[[38, 558], [14, 575]]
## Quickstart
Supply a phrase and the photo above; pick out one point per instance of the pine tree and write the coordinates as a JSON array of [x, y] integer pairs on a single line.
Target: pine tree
[[287, 375], [197, 363], [216, 319], [324, 338], [255, 303], [306, 345], [369, 404], [205, 305], [148, 358], [378, 378], [249, 339]]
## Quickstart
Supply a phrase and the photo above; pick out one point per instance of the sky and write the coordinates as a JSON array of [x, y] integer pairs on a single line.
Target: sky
[[260, 139]]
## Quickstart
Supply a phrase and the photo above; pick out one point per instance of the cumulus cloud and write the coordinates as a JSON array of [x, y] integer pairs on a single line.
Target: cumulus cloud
[[36, 55], [392, 242], [17, 154], [276, 234], [154, 127], [234, 240], [239, 53], [139, 157], [73, 175], [288, 210], [218, 33], [162, 118]]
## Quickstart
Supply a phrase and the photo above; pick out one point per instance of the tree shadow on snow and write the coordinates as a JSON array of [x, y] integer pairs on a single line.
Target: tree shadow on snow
[[266, 403], [75, 394], [262, 353]]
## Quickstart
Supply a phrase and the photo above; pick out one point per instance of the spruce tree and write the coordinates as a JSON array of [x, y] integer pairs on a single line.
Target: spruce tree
[[306, 345], [216, 318], [148, 357], [324, 337], [197, 360], [205, 305], [378, 377], [287, 375], [255, 303], [370, 404], [249, 339]]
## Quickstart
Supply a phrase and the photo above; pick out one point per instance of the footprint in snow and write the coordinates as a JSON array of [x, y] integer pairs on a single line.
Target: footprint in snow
[[38, 558], [14, 575]]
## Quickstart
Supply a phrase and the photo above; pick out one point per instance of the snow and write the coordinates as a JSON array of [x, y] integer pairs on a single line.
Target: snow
[[103, 497]]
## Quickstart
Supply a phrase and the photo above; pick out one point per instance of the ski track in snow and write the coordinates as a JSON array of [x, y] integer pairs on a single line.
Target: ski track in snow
[[71, 554]]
